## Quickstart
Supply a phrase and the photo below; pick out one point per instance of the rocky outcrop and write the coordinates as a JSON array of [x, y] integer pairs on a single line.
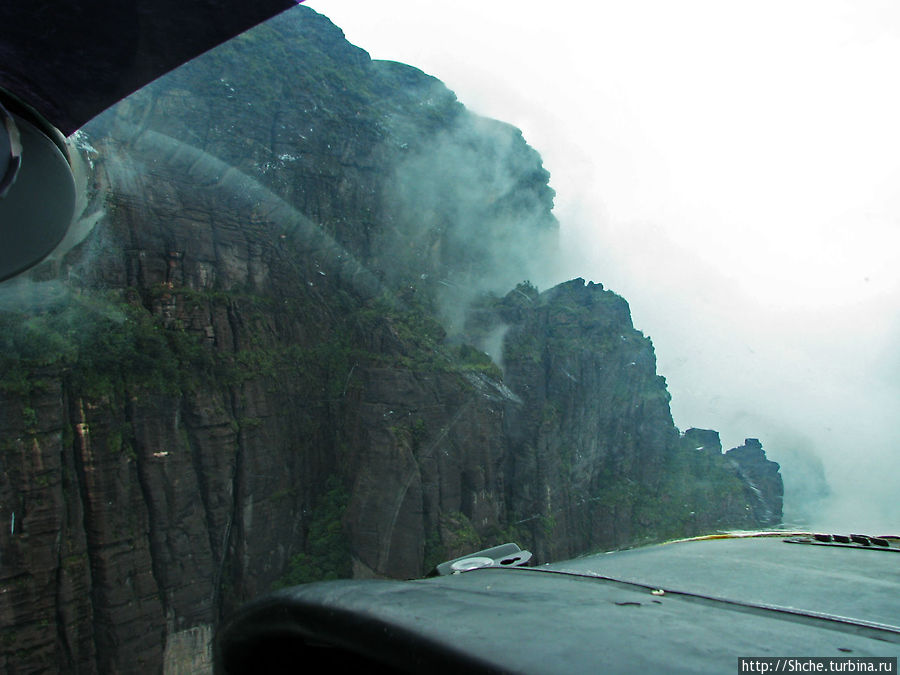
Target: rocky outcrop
[[266, 364], [594, 456], [763, 480]]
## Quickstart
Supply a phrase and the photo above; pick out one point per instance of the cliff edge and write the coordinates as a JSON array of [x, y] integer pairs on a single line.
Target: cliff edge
[[291, 342]]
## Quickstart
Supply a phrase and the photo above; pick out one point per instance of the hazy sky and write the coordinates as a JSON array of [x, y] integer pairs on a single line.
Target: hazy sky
[[733, 170]]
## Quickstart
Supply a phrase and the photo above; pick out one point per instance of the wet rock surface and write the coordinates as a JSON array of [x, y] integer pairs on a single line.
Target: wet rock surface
[[264, 365], [763, 479]]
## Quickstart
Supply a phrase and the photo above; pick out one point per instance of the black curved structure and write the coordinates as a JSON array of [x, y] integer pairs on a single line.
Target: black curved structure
[[63, 63], [690, 606]]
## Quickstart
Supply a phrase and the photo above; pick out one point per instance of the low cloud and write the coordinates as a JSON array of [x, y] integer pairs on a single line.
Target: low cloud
[[472, 205]]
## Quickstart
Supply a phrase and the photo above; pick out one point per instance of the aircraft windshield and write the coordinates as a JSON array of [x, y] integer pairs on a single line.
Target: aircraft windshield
[[576, 277]]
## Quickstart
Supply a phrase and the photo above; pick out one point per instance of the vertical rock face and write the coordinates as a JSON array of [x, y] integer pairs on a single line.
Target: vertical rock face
[[264, 364], [47, 589], [594, 456], [763, 478]]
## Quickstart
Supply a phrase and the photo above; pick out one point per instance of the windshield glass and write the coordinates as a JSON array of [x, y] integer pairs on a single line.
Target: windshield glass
[[322, 314], [729, 169]]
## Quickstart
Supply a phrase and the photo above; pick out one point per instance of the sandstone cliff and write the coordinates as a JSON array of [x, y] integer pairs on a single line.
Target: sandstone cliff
[[266, 363]]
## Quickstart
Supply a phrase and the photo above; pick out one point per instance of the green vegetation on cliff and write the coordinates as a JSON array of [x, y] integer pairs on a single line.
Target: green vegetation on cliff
[[326, 555], [266, 364]]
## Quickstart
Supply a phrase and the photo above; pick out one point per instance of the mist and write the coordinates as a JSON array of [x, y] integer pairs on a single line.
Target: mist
[[472, 206], [731, 170]]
